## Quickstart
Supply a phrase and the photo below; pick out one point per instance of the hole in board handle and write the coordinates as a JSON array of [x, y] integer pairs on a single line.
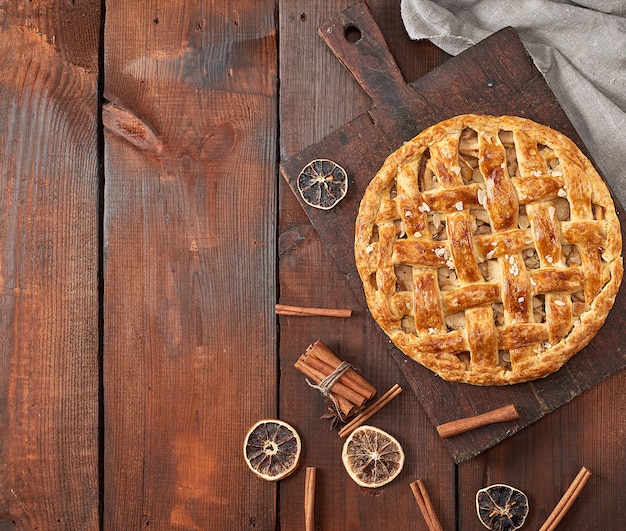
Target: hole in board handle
[[352, 33]]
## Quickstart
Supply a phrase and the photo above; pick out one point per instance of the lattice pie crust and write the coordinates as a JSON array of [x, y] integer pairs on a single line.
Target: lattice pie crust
[[489, 249]]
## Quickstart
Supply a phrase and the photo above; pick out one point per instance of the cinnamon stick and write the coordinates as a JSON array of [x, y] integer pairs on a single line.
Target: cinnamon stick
[[337, 389], [304, 311], [561, 508], [456, 427], [345, 405], [309, 498], [425, 505], [318, 353], [344, 386], [370, 411]]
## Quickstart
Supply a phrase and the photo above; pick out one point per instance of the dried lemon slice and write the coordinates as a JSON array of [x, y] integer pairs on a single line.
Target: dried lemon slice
[[272, 449], [501, 507], [322, 183], [372, 457]]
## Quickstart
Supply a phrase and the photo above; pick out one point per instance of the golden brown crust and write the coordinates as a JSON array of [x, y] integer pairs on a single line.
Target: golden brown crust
[[489, 249]]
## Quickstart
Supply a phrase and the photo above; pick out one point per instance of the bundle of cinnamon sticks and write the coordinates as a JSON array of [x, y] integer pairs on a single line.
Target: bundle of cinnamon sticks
[[349, 392]]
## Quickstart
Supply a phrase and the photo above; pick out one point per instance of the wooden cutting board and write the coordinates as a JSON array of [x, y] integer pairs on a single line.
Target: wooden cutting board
[[496, 76]]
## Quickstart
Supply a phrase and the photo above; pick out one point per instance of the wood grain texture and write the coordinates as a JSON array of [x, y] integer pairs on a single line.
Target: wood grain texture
[[48, 268], [190, 343], [311, 108], [70, 28], [543, 459]]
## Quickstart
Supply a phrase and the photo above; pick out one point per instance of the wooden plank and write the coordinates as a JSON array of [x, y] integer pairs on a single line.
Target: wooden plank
[[49, 266], [496, 76], [189, 337], [311, 108]]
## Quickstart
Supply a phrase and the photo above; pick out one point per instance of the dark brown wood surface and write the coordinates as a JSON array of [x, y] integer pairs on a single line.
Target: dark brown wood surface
[[49, 357], [189, 222], [146, 235]]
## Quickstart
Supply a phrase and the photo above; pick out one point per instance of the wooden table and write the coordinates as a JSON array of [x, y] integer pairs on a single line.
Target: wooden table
[[146, 236]]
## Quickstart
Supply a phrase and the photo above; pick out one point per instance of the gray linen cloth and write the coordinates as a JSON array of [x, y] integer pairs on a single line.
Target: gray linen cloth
[[579, 47]]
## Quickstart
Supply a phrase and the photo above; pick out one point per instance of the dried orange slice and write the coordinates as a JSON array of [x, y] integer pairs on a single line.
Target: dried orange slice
[[322, 183], [272, 449], [372, 457], [501, 507]]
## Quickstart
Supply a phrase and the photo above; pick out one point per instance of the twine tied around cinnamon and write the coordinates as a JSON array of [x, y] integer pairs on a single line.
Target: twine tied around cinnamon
[[327, 383]]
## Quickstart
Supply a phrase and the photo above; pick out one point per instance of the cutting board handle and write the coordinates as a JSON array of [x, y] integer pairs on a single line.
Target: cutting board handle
[[356, 40]]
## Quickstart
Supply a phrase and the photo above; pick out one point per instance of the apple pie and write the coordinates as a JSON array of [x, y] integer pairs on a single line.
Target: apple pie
[[489, 249]]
